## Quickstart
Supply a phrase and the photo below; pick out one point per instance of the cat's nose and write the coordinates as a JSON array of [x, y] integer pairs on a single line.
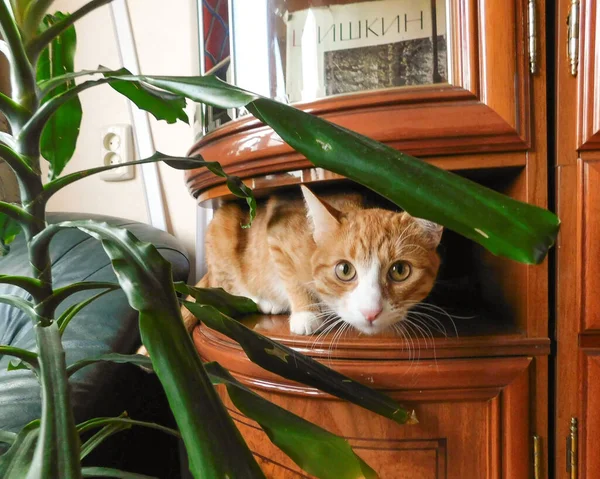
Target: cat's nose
[[371, 314]]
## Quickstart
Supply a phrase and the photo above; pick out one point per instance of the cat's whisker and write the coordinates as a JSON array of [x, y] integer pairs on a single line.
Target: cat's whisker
[[420, 328], [329, 327], [332, 343], [432, 308], [426, 319], [422, 320]]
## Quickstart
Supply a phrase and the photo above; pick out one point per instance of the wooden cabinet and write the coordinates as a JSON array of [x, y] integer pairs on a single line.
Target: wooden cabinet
[[474, 414], [577, 143], [481, 394]]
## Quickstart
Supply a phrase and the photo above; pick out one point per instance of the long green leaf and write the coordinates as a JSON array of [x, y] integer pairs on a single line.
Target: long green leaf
[[290, 364], [504, 226], [234, 183], [161, 104], [314, 449], [16, 462], [28, 357], [60, 133], [57, 450], [101, 436], [228, 304], [65, 318], [7, 437], [109, 472], [31, 285], [104, 421], [35, 10], [9, 229], [146, 279], [137, 359], [60, 294], [19, 303]]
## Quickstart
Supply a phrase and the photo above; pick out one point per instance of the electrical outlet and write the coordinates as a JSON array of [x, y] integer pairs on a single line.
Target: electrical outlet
[[117, 147]]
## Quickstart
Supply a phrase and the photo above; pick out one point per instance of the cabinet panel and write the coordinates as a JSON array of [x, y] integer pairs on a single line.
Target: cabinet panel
[[591, 248], [589, 74], [590, 423], [477, 431]]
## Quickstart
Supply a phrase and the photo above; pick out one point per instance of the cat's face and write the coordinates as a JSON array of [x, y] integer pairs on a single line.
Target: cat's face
[[371, 266]]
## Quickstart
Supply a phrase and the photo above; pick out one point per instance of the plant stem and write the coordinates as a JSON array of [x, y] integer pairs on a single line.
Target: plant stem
[[54, 454], [57, 449]]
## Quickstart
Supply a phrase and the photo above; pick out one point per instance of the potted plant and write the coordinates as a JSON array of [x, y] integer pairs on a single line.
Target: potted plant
[[42, 107]]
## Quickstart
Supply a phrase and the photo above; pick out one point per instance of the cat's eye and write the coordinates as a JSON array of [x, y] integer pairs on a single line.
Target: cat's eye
[[345, 271], [399, 271]]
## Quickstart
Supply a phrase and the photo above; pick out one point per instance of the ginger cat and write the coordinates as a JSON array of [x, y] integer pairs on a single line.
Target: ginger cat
[[323, 258]]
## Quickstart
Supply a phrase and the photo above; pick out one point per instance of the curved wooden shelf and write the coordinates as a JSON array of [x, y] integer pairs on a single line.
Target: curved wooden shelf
[[469, 398], [473, 340]]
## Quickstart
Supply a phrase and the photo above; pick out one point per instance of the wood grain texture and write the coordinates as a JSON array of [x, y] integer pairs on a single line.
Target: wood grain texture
[[589, 77], [590, 419], [473, 423], [484, 108]]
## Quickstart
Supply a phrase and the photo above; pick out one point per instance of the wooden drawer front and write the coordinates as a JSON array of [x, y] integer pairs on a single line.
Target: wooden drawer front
[[478, 428]]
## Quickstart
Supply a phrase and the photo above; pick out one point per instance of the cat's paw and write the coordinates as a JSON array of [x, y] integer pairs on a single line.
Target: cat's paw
[[267, 307], [304, 322]]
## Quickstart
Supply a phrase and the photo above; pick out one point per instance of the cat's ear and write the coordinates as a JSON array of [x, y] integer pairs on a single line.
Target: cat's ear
[[432, 230], [324, 217]]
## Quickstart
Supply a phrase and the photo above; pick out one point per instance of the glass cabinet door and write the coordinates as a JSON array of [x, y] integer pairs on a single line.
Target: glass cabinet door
[[303, 50]]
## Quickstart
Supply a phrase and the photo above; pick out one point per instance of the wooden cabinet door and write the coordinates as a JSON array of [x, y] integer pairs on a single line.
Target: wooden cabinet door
[[578, 257], [474, 421]]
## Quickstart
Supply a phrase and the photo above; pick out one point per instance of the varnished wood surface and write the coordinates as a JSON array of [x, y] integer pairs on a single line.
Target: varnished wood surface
[[589, 77], [471, 341], [578, 124], [484, 108], [474, 414]]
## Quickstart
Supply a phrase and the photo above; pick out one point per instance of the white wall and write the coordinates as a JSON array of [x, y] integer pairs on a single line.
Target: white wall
[[165, 33]]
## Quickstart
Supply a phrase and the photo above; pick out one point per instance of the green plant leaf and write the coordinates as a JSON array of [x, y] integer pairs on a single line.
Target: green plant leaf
[[104, 421], [66, 317], [233, 306], [234, 183], [109, 472], [161, 104], [15, 463], [9, 229], [28, 357], [57, 449], [34, 13], [60, 294], [137, 359], [146, 279], [7, 437], [501, 224], [290, 364], [19, 303], [314, 449], [31, 285], [60, 133], [103, 434]]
